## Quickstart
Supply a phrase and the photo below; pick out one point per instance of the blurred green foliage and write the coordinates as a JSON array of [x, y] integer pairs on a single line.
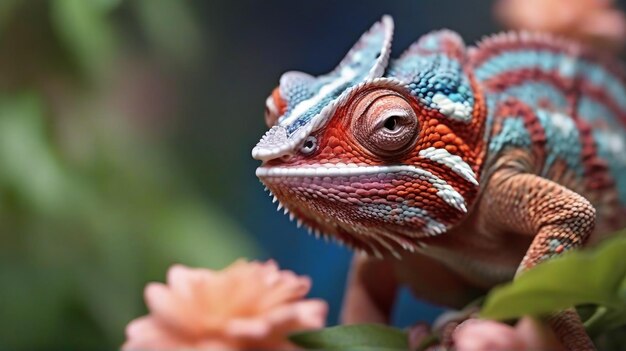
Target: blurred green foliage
[[92, 205], [356, 337], [594, 278]]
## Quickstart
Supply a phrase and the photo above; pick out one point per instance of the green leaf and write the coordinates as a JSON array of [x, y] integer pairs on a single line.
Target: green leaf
[[85, 29], [29, 165], [605, 319], [353, 337], [593, 276]]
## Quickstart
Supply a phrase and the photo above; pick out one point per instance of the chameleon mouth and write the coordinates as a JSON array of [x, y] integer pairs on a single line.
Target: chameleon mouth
[[334, 170], [453, 162], [444, 190]]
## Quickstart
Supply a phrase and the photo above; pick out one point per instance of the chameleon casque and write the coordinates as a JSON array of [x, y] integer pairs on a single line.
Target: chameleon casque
[[454, 168]]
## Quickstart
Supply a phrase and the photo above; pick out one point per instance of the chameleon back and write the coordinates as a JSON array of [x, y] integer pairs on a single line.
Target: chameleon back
[[565, 104]]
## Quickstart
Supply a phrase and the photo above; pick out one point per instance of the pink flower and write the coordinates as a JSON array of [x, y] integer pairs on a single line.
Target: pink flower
[[527, 335], [596, 22], [248, 305]]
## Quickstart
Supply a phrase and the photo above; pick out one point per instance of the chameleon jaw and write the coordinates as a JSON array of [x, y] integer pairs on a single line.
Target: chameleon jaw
[[446, 192], [326, 225]]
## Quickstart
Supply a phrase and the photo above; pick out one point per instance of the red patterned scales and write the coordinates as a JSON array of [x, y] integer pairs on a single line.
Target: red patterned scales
[[454, 168]]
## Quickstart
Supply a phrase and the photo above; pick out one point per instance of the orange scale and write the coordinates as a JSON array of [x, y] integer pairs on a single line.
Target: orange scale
[[432, 197], [442, 129], [327, 150], [356, 155], [451, 148], [449, 138], [333, 141], [434, 137], [439, 144]]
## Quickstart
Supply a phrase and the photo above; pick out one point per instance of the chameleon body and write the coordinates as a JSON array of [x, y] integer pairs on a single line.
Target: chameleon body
[[455, 168]]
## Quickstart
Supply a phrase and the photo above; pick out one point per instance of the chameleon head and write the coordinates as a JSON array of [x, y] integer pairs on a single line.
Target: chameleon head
[[377, 155]]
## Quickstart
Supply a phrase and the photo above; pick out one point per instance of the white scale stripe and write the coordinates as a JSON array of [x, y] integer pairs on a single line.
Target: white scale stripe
[[446, 192], [454, 162], [455, 110], [347, 74]]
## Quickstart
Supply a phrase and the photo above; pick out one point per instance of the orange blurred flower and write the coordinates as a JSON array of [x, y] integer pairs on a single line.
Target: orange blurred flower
[[595, 22], [248, 305]]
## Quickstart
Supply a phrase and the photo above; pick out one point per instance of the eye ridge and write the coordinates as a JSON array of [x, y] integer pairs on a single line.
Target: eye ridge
[[387, 126]]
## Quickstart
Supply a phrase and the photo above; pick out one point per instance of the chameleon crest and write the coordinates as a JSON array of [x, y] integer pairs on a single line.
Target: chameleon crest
[[378, 152]]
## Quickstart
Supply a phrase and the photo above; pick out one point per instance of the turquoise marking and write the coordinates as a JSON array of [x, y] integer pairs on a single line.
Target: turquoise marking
[[611, 144], [370, 52], [554, 244], [309, 114], [513, 134], [430, 42], [431, 74], [295, 88], [522, 59], [531, 93], [490, 102], [607, 131], [562, 141], [590, 110], [601, 78], [548, 61]]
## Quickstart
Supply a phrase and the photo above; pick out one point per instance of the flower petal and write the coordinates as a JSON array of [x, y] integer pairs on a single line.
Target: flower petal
[[248, 305], [474, 334], [145, 333]]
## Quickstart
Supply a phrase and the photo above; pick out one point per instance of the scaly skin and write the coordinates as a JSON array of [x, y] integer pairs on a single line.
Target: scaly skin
[[455, 169]]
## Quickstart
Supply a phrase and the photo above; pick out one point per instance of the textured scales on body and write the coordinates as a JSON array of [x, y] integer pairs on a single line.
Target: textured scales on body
[[469, 164]]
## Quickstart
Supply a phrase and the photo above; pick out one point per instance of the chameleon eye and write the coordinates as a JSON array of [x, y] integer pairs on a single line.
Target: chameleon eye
[[309, 145], [387, 125]]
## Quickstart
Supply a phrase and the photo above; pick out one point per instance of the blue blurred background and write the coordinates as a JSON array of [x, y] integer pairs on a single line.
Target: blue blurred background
[[125, 137]]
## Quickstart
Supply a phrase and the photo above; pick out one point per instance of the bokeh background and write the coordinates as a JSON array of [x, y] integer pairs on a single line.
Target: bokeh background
[[125, 137]]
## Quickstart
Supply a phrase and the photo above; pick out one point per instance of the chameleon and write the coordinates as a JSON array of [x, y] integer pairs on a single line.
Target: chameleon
[[454, 168]]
